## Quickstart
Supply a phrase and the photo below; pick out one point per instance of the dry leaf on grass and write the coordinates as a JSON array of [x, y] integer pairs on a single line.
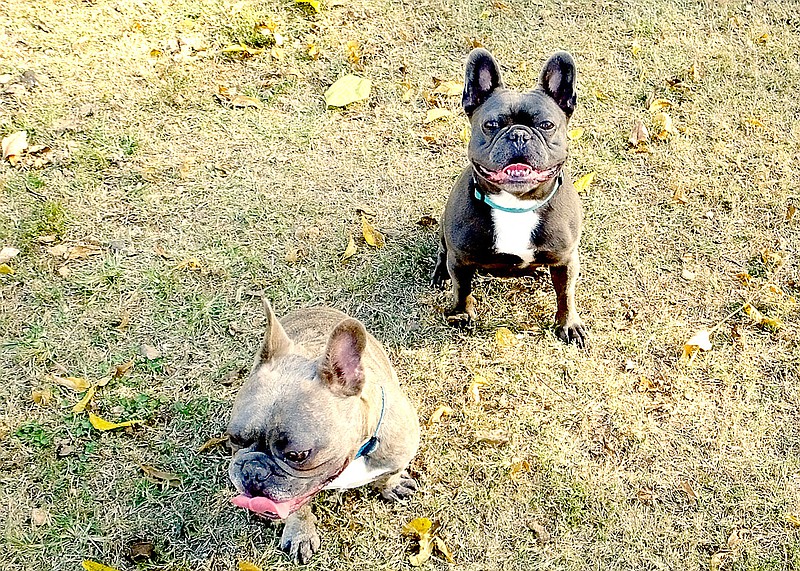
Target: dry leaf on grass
[[449, 88], [504, 337], [159, 476], [636, 47], [247, 566], [350, 250], [790, 212], [639, 135], [14, 145], [496, 437], [39, 517], [582, 184], [347, 90], [664, 122], [90, 565], [190, 264], [7, 253], [81, 405], [372, 236], [760, 318], [353, 50], [140, 550], [122, 369], [77, 384], [423, 530], [700, 341], [5, 269], [104, 425], [575, 134], [793, 520], [315, 4], [474, 389], [41, 396], [465, 134], [689, 491], [441, 411], [212, 442], [149, 352], [427, 221], [657, 105], [680, 196], [435, 114]]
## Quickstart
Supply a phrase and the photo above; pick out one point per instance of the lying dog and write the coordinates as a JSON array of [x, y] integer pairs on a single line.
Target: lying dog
[[321, 409], [514, 208]]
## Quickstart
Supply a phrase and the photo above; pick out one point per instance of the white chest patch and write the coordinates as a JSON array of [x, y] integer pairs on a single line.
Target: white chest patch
[[513, 230], [355, 475]]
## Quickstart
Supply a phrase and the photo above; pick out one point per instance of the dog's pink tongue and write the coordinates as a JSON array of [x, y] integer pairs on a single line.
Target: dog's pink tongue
[[261, 505]]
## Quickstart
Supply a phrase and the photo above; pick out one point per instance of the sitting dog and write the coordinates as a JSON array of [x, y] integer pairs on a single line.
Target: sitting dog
[[514, 207], [321, 409]]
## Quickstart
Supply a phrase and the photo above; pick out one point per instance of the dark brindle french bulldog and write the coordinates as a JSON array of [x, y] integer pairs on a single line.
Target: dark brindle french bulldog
[[514, 208], [321, 409]]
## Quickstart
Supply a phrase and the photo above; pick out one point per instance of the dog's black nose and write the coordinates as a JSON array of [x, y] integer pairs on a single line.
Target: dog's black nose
[[519, 135]]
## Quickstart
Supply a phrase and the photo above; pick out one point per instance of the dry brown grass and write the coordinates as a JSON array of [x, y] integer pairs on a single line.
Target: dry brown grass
[[159, 162]]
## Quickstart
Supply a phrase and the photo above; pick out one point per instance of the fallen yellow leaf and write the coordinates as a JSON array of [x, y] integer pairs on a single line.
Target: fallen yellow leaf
[[754, 122], [582, 184], [77, 384], [351, 249], [14, 145], [122, 369], [353, 50], [418, 527], [657, 105], [247, 566], [792, 520], [94, 566], [664, 121], [442, 548], [313, 3], [80, 406], [346, 90], [212, 442], [474, 389], [441, 411], [762, 39], [575, 134], [371, 235], [636, 47], [41, 396], [639, 134], [504, 337], [465, 134], [159, 475], [245, 101], [436, 113], [425, 551], [5, 269], [760, 318], [449, 88], [191, 264], [104, 425], [700, 341], [599, 94]]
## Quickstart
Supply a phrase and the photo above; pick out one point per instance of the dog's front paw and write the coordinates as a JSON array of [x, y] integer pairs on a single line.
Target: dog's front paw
[[300, 539], [573, 332], [462, 314], [398, 487]]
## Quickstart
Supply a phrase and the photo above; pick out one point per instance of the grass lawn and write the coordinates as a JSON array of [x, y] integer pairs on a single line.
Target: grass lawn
[[179, 208]]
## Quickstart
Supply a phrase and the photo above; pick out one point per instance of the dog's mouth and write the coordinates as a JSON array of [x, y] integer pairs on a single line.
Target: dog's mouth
[[270, 508], [516, 173], [281, 510]]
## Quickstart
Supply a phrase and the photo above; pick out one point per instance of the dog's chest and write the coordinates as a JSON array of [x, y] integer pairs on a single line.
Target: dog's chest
[[358, 473], [513, 232]]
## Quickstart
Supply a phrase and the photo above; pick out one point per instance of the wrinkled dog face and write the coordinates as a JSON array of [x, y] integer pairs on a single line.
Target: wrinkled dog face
[[293, 420], [519, 140]]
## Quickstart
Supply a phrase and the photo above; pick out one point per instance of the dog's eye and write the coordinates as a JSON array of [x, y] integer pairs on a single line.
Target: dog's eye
[[546, 125], [491, 124], [296, 456]]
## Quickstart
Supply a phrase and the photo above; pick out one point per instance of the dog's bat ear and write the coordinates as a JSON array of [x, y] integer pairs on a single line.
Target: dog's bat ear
[[341, 366], [482, 77], [558, 81], [275, 342]]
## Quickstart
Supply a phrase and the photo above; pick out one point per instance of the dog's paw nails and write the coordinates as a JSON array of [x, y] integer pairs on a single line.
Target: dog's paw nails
[[575, 333], [300, 542], [400, 489]]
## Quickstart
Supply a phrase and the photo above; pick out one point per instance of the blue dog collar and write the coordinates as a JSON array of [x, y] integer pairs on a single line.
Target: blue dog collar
[[486, 199], [372, 443]]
